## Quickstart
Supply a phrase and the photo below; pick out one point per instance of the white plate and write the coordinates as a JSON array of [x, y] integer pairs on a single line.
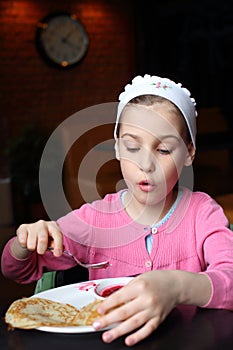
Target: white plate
[[78, 295]]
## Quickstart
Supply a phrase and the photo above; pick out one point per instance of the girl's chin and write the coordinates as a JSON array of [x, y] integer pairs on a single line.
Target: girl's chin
[[147, 195], [148, 199]]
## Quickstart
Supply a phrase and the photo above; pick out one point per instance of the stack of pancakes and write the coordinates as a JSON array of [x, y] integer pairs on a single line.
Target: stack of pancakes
[[29, 313]]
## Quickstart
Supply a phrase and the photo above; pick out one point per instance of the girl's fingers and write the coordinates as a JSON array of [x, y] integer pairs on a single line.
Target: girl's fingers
[[132, 314], [56, 236], [120, 297], [135, 322], [22, 235], [42, 241], [143, 332], [118, 314], [36, 236]]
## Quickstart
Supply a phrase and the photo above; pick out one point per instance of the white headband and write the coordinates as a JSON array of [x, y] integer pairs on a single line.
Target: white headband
[[153, 85]]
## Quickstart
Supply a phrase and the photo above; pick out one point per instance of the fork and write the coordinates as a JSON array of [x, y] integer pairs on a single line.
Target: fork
[[100, 265]]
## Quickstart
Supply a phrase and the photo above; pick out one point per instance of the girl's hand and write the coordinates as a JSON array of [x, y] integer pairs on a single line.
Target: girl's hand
[[37, 237], [141, 305]]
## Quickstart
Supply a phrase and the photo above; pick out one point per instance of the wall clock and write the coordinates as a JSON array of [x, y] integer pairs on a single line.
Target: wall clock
[[62, 39]]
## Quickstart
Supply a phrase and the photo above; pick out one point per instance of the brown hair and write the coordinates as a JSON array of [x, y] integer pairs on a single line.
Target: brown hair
[[150, 100]]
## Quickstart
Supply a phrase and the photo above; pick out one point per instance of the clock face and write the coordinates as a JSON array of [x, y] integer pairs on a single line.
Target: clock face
[[62, 39]]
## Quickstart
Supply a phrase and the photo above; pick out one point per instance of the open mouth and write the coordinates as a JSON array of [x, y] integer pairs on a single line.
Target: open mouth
[[146, 186], [144, 183]]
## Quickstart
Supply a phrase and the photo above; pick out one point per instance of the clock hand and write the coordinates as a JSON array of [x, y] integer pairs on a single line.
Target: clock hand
[[70, 44], [65, 38]]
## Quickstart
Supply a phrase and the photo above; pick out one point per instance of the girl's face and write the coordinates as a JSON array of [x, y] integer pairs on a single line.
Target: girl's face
[[152, 151]]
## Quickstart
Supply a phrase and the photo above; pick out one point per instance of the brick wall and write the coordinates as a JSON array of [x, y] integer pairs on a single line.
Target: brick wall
[[32, 91]]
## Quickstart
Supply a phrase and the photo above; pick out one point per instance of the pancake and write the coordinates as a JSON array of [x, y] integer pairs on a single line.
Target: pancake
[[88, 314], [29, 313]]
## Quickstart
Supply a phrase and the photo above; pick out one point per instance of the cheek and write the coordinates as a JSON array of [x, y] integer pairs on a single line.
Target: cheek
[[125, 163], [172, 170], [168, 171], [128, 168]]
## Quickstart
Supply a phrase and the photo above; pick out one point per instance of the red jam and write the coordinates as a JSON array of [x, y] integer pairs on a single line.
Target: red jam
[[109, 290]]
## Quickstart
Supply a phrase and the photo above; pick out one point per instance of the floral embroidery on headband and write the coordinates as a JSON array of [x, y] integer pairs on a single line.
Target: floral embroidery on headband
[[159, 85]]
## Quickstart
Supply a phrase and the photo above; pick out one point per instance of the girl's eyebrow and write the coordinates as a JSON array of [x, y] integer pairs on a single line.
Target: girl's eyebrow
[[131, 135], [137, 138]]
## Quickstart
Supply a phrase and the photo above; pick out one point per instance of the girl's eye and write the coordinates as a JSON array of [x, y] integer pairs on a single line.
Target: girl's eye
[[133, 149], [163, 151], [132, 146]]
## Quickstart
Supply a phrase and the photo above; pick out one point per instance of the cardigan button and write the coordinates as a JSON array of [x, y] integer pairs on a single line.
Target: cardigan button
[[148, 263], [154, 230]]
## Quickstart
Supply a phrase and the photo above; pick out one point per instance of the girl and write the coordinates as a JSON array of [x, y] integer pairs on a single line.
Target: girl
[[176, 241]]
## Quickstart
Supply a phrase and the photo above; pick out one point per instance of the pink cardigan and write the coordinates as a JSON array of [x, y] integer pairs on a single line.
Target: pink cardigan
[[195, 238]]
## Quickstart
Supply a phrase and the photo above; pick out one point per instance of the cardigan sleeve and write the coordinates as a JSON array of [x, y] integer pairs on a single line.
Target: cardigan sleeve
[[215, 241], [76, 235], [31, 269]]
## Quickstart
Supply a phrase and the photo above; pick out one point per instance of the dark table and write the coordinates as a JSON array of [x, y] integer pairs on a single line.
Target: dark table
[[186, 329]]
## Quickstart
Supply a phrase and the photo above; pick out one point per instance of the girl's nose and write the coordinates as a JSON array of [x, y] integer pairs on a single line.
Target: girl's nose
[[147, 162]]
